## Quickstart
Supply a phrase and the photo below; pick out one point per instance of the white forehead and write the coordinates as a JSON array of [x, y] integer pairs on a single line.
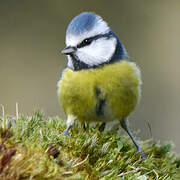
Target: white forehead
[[100, 27]]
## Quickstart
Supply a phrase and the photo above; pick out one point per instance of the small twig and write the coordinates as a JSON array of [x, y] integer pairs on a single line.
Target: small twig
[[153, 171], [137, 161], [17, 111], [132, 167], [3, 111], [150, 129], [157, 176], [3, 118], [132, 171], [165, 177], [67, 173], [81, 161], [148, 172], [109, 162], [40, 132], [122, 174], [141, 168]]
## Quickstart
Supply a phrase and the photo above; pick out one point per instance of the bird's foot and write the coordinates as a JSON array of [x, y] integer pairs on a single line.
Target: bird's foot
[[143, 156], [66, 132]]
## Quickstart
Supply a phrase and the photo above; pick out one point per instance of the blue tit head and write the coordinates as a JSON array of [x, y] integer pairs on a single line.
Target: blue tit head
[[90, 43]]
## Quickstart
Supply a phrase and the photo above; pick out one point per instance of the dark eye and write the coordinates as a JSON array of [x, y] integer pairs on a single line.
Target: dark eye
[[85, 42]]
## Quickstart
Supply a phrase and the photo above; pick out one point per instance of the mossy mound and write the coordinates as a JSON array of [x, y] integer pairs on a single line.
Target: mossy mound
[[34, 148]]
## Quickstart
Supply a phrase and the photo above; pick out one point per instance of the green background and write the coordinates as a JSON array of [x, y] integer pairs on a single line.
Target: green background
[[32, 33]]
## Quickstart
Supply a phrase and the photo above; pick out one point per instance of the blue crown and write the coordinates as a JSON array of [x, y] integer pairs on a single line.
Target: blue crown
[[82, 23]]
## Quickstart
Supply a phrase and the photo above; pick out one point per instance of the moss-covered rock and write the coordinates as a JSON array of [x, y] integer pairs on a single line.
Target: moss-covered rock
[[34, 148]]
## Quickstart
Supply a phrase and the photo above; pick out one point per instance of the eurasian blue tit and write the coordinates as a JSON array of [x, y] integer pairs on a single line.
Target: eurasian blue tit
[[100, 83]]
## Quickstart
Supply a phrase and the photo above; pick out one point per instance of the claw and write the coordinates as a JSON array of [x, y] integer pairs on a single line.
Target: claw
[[143, 156], [66, 132], [69, 123]]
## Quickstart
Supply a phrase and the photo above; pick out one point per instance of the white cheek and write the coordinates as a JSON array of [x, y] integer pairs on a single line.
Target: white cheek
[[97, 52], [69, 64]]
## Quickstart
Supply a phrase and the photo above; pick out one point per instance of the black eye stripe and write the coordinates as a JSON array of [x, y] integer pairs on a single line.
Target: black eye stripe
[[88, 41], [85, 42]]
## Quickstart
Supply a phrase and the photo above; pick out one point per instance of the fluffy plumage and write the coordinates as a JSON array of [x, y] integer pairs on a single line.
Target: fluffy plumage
[[102, 94], [100, 82]]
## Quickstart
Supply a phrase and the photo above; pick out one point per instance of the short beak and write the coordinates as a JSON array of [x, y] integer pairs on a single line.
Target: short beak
[[68, 50]]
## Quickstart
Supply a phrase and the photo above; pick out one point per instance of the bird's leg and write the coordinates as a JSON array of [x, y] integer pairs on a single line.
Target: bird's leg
[[124, 124], [102, 127], [70, 122], [84, 126]]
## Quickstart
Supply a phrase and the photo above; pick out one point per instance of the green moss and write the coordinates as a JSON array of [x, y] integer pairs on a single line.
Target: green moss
[[33, 147]]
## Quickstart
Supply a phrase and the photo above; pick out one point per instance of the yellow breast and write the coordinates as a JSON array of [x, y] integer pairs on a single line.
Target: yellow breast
[[102, 94]]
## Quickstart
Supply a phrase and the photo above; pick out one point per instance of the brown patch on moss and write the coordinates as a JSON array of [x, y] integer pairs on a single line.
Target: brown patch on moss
[[7, 157], [2, 147], [6, 134], [53, 151], [60, 162]]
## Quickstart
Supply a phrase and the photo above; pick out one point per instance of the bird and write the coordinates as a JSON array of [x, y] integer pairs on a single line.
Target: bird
[[100, 83]]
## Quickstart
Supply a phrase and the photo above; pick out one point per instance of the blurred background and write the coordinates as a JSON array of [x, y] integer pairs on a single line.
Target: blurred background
[[32, 33]]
